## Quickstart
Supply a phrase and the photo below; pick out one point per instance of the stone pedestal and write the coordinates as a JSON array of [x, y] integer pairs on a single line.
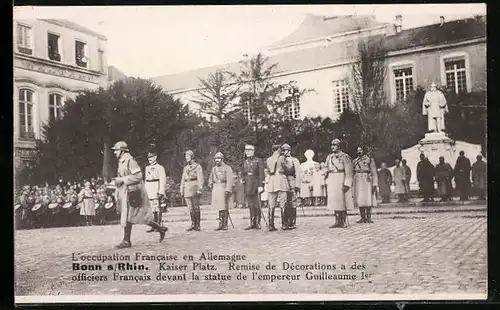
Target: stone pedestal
[[434, 145]]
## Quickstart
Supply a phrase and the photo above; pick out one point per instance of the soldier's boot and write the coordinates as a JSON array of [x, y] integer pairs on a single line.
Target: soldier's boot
[[221, 215], [369, 215], [257, 218], [193, 221], [284, 218], [197, 225], [252, 219], [127, 233], [337, 220], [155, 216], [362, 213], [159, 228], [225, 217], [271, 220], [160, 218], [343, 219], [292, 218]]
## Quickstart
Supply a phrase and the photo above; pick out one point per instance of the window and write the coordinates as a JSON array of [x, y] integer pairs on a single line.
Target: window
[[53, 47], [403, 80], [80, 54], [101, 61], [55, 106], [24, 39], [293, 107], [340, 96], [26, 105], [456, 74]]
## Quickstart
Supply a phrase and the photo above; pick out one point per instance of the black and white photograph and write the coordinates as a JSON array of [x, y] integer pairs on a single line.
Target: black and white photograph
[[250, 153]]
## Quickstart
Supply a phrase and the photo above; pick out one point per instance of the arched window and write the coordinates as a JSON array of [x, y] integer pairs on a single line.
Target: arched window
[[55, 106], [26, 111]]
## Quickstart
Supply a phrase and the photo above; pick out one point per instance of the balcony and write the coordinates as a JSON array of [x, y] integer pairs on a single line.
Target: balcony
[[81, 61], [25, 50], [54, 56], [27, 135]]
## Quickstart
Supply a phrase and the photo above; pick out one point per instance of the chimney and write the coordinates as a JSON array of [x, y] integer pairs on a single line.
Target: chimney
[[398, 23], [441, 18]]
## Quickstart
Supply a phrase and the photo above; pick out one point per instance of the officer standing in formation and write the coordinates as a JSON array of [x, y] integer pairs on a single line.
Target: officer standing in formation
[[253, 184], [278, 184], [191, 189], [221, 182], [339, 179], [365, 184], [156, 180], [292, 171], [131, 197]]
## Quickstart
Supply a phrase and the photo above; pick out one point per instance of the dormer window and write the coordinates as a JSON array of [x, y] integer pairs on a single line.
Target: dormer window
[[53, 47], [81, 54]]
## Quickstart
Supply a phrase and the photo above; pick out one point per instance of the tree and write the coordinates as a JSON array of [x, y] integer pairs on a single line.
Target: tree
[[135, 111], [218, 95]]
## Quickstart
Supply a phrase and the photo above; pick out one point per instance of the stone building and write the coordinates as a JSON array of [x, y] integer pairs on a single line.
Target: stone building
[[320, 53], [53, 60]]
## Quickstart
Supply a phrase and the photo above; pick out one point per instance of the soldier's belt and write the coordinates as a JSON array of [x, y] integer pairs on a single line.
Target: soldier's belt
[[219, 181], [337, 171], [88, 198], [153, 180], [191, 179], [362, 171]]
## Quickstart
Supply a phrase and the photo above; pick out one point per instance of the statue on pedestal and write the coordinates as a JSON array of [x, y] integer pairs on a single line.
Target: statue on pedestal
[[435, 107]]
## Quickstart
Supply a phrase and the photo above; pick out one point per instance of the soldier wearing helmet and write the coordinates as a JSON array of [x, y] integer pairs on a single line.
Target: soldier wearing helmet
[[339, 178], [221, 183], [292, 170], [253, 178], [365, 184], [278, 184], [155, 182], [131, 197], [191, 189]]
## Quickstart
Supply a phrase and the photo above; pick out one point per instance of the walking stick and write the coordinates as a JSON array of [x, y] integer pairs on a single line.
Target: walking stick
[[227, 204], [229, 215]]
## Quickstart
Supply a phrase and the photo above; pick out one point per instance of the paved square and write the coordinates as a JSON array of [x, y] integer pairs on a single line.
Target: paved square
[[408, 254]]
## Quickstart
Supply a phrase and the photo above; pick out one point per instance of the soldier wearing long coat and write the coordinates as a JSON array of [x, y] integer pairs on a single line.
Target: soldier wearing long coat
[[479, 180], [462, 175], [155, 183], [400, 177], [339, 179], [365, 184], [278, 184], [253, 184], [221, 182], [384, 183], [444, 174], [294, 176], [131, 197], [191, 189], [425, 177]]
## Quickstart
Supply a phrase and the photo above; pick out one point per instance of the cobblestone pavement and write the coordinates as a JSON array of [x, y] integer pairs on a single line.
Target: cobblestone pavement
[[407, 254]]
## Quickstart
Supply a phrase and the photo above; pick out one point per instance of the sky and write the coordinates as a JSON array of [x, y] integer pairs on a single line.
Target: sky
[[149, 41]]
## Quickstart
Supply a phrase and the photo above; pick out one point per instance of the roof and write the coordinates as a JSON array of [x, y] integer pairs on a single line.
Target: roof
[[315, 27], [449, 32], [115, 74], [72, 25], [314, 57]]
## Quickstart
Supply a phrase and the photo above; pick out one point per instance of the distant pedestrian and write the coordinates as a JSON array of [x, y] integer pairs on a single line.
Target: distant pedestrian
[[425, 177], [444, 175], [318, 184], [479, 179], [407, 172], [400, 181], [384, 183], [87, 209], [462, 176]]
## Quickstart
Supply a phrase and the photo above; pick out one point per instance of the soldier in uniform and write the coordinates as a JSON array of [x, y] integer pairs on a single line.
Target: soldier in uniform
[[278, 184], [365, 184], [221, 182], [293, 174], [339, 178], [191, 189], [156, 180], [131, 197], [253, 184]]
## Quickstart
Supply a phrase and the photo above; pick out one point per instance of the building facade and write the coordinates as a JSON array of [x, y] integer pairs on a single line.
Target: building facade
[[320, 53], [53, 61]]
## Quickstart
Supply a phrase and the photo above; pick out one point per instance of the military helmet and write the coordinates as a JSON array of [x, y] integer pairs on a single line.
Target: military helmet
[[190, 153], [286, 147], [121, 146], [219, 155], [335, 142]]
